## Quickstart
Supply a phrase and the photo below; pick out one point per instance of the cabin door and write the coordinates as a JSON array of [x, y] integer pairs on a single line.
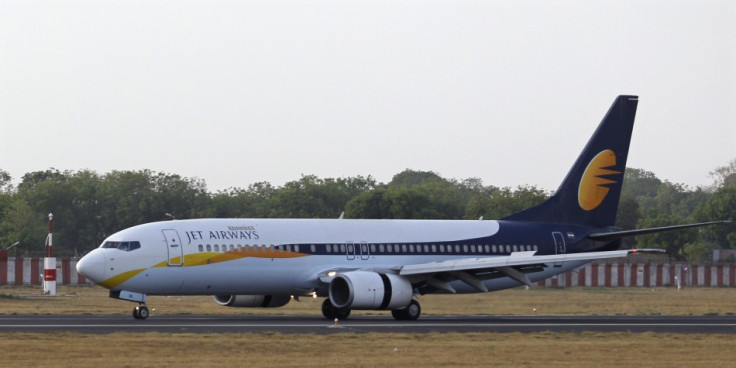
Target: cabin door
[[173, 248]]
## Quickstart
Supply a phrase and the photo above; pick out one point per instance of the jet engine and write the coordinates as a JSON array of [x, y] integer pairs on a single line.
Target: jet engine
[[370, 290], [252, 301]]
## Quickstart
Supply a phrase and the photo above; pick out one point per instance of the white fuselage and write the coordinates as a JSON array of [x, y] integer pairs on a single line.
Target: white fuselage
[[293, 256]]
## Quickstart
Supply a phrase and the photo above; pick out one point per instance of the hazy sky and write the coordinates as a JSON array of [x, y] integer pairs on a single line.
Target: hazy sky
[[247, 91]]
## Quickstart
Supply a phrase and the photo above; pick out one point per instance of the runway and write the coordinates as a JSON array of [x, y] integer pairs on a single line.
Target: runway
[[362, 324]]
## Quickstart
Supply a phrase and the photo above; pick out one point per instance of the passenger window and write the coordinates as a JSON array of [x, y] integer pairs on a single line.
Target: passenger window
[[373, 248], [515, 248], [201, 248], [217, 248], [209, 248], [381, 248], [328, 247], [296, 247], [442, 248], [465, 249], [313, 248], [434, 248], [232, 247]]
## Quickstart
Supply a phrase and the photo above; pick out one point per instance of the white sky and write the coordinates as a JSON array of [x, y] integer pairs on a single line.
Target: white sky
[[240, 92]]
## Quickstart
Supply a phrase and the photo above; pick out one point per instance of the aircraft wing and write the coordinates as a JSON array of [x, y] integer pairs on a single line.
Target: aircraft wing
[[469, 270]]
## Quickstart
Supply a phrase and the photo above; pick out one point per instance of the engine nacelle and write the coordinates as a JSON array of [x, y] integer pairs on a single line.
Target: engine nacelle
[[252, 301], [370, 290]]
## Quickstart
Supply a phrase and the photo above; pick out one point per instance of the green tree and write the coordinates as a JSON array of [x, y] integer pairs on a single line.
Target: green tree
[[671, 241], [628, 217], [724, 175], [640, 183], [369, 205], [410, 195], [410, 177], [504, 202], [6, 194], [720, 206], [22, 224], [311, 197]]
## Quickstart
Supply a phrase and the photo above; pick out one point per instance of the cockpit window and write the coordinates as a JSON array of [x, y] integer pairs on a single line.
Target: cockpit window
[[126, 246]]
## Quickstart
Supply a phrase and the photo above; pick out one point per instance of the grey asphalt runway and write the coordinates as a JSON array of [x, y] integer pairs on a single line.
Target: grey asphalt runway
[[359, 324]]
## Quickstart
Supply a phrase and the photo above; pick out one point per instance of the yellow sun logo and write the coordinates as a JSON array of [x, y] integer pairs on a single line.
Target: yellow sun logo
[[593, 186]]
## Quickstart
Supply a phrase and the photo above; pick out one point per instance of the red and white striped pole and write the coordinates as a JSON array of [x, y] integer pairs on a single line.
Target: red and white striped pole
[[49, 262]]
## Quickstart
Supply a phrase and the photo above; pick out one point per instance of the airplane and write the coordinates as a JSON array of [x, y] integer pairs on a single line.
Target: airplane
[[358, 264]]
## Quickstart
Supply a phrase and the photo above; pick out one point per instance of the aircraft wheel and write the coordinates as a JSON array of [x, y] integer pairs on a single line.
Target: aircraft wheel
[[410, 313], [140, 312], [343, 313], [143, 312], [331, 312]]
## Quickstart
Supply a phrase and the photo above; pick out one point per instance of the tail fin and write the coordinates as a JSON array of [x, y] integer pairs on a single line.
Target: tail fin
[[590, 193]]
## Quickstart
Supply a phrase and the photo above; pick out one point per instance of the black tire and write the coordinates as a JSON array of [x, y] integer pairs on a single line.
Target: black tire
[[410, 313], [329, 310], [413, 311], [343, 313], [143, 312], [135, 313]]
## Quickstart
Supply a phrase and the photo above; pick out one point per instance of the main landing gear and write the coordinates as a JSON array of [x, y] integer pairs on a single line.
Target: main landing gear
[[410, 313], [331, 312], [140, 312]]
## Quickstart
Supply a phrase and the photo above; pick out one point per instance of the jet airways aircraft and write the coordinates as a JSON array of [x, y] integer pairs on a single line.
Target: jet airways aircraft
[[378, 264]]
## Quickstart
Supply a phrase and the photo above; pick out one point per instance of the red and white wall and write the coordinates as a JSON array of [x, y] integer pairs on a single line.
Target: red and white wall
[[29, 271], [645, 275]]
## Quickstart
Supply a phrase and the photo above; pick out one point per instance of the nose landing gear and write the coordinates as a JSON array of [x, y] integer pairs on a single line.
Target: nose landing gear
[[139, 312]]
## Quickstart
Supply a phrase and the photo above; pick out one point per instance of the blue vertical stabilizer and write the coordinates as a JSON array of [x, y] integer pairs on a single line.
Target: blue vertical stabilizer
[[590, 193]]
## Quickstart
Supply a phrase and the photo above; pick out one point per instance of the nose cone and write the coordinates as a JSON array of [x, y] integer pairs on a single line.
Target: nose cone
[[92, 266]]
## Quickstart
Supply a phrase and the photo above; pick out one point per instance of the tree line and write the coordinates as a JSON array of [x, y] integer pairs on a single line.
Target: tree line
[[89, 206]]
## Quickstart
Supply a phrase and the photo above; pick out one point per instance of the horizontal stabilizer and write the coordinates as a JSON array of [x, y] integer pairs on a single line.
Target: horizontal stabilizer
[[626, 233]]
